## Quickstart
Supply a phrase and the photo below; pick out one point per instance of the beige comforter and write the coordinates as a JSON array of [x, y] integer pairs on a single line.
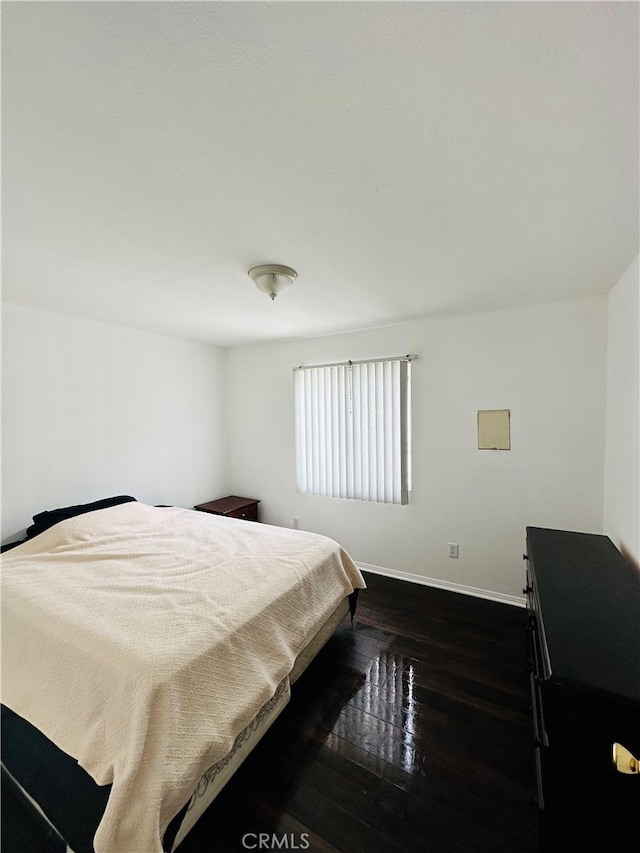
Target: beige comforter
[[142, 640]]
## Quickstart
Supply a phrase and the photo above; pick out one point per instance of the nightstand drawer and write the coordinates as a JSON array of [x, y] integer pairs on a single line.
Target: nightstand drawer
[[249, 512], [232, 506]]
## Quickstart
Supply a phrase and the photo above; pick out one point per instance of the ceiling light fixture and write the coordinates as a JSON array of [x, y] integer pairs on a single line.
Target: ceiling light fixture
[[273, 279]]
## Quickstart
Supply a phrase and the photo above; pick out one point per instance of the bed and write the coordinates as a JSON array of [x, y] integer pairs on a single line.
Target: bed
[[146, 650]]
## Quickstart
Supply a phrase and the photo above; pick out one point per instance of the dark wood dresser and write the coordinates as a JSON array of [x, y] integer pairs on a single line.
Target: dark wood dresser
[[583, 623], [232, 506]]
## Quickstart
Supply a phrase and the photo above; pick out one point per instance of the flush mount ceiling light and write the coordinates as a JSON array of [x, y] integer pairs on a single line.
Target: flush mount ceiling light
[[272, 279]]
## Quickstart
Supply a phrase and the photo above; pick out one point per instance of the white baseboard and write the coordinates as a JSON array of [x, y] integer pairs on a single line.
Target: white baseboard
[[502, 598]]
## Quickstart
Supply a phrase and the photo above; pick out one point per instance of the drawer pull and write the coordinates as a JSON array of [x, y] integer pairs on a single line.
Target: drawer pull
[[624, 761], [527, 589], [525, 556]]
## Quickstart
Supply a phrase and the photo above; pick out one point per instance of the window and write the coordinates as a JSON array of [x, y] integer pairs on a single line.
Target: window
[[353, 430]]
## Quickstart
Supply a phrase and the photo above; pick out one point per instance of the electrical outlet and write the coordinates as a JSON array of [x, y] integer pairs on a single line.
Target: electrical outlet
[[453, 550], [296, 522]]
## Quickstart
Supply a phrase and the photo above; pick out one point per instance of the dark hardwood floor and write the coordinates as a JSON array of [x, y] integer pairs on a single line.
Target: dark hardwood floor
[[411, 731]]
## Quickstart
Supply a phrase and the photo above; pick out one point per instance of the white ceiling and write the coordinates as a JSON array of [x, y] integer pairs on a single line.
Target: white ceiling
[[407, 159]]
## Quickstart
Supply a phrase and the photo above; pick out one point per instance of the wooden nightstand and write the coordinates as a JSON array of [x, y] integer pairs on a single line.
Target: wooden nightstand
[[233, 507]]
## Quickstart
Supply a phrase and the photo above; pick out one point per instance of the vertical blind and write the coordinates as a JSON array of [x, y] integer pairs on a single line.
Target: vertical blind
[[352, 424]]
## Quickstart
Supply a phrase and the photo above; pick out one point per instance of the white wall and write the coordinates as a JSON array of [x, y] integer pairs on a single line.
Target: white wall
[[92, 410], [622, 464], [547, 364]]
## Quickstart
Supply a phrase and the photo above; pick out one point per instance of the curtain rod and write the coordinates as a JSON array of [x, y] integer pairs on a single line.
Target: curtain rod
[[363, 361]]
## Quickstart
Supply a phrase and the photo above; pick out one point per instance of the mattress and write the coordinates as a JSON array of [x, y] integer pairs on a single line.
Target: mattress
[[144, 641]]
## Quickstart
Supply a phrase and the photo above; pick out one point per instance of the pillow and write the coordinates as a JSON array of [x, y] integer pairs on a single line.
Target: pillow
[[44, 520]]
